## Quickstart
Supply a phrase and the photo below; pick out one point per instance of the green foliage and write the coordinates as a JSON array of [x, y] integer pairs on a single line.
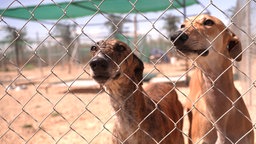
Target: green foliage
[[27, 126], [29, 66], [55, 114], [115, 24], [171, 24]]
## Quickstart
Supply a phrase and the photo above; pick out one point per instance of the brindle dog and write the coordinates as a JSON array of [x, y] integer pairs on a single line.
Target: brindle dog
[[143, 116]]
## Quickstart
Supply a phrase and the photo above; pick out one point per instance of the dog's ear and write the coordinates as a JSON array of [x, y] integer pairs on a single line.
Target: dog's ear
[[139, 67], [235, 47]]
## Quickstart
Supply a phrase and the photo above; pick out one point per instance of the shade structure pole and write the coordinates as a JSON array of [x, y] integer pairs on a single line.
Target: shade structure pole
[[248, 52], [135, 39], [184, 17]]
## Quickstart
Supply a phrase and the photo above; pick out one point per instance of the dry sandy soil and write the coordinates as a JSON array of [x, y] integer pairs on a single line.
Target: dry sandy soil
[[50, 110]]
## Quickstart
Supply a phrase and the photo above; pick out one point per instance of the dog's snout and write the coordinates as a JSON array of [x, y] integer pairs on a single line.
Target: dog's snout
[[179, 37], [99, 64]]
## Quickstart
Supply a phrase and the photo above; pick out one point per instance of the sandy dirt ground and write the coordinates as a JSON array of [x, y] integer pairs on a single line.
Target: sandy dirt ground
[[41, 107]]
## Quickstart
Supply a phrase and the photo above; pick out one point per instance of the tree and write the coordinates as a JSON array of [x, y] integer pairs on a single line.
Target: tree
[[171, 22], [18, 38], [67, 35], [231, 11], [115, 24], [64, 33]]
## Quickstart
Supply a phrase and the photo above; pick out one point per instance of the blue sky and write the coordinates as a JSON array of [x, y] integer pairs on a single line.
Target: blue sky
[[42, 29]]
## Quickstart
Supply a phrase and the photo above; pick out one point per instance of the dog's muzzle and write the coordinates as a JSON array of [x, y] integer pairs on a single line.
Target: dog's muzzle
[[99, 67], [179, 39], [102, 71]]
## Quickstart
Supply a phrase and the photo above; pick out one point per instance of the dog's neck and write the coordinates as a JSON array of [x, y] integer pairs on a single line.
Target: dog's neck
[[216, 77], [129, 101], [216, 70]]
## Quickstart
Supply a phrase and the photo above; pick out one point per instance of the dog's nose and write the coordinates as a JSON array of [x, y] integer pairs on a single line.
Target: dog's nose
[[179, 37], [98, 64]]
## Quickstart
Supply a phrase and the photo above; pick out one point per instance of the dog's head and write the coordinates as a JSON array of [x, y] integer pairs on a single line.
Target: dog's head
[[206, 35], [113, 59]]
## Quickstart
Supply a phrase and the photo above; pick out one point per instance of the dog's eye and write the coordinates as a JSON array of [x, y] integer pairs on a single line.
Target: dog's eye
[[208, 22], [119, 48], [94, 48]]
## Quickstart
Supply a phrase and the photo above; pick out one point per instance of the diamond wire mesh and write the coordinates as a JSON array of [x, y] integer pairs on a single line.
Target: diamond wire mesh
[[42, 100]]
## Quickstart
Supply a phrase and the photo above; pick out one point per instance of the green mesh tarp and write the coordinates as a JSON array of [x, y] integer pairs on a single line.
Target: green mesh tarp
[[90, 7]]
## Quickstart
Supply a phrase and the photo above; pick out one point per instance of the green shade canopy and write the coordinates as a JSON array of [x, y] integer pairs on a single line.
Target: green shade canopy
[[90, 7]]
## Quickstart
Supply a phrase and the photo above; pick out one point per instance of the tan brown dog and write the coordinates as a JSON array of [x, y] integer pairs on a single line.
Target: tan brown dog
[[219, 114], [150, 117]]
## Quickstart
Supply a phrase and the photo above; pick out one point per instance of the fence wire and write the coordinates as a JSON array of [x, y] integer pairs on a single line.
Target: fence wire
[[47, 94]]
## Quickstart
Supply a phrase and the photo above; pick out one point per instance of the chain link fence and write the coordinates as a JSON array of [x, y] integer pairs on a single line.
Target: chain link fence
[[244, 27], [47, 94], [244, 21]]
